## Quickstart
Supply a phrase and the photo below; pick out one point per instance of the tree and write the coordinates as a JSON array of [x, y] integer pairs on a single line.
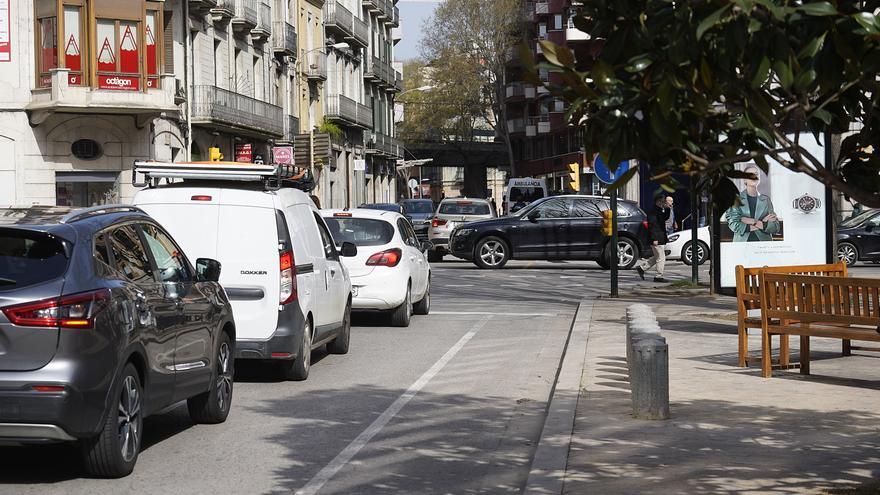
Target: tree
[[697, 86], [468, 49]]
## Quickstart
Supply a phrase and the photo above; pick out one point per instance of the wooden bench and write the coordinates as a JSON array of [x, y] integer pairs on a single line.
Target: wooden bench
[[818, 306], [748, 297]]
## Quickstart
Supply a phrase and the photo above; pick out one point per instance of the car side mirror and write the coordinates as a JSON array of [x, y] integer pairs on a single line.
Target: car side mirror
[[208, 270], [349, 250], [534, 215], [427, 246]]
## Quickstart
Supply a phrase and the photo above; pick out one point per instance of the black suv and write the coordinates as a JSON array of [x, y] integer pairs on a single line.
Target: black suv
[[553, 228], [103, 321], [858, 238]]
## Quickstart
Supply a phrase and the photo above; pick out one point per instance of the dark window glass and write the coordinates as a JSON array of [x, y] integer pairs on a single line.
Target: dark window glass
[[464, 208], [326, 240], [86, 149], [28, 258], [129, 257], [360, 231], [103, 264], [418, 207], [553, 208], [584, 208], [169, 259], [406, 232]]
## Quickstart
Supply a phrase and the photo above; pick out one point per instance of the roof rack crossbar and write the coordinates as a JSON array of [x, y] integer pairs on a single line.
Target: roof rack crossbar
[[92, 211], [273, 177]]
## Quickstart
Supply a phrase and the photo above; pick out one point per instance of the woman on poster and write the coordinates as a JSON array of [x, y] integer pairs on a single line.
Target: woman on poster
[[752, 218]]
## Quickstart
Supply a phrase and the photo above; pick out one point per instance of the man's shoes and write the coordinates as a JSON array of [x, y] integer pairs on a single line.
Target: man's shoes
[[641, 272], [660, 279]]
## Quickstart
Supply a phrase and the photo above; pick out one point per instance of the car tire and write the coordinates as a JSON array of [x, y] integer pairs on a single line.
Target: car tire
[[108, 454], [401, 315], [630, 255], [213, 406], [703, 251], [298, 369], [491, 253], [434, 257], [603, 261], [423, 307], [848, 253], [340, 344]]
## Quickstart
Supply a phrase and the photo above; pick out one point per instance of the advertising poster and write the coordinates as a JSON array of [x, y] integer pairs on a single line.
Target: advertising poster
[[152, 56], [282, 155], [72, 52], [778, 219], [244, 153], [5, 41]]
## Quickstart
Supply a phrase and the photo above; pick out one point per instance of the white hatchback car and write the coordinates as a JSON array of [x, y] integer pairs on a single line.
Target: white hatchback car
[[390, 271], [679, 245]]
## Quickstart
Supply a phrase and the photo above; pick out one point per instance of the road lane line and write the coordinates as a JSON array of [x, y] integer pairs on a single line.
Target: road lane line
[[341, 459], [464, 285], [485, 313]]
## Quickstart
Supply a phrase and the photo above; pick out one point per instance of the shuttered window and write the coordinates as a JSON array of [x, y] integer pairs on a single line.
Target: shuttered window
[[168, 42]]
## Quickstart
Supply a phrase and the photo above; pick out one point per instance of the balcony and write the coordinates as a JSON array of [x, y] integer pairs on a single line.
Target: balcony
[[380, 71], [516, 126], [371, 5], [338, 19], [291, 130], [245, 18], [541, 123], [360, 32], [223, 109], [202, 6], [384, 145], [63, 98], [344, 109], [223, 10], [284, 38], [542, 7], [519, 90], [316, 68], [264, 27]]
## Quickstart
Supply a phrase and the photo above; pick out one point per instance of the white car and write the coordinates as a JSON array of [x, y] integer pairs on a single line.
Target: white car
[[391, 270], [289, 291], [679, 245]]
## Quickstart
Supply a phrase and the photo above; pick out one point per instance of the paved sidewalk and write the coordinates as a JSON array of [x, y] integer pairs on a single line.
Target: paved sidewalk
[[731, 430]]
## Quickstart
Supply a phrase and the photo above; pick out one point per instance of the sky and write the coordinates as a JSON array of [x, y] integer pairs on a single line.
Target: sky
[[412, 15]]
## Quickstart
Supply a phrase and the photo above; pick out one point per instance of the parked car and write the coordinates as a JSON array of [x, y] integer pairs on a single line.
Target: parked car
[[555, 228], [103, 321], [383, 206], [681, 247], [391, 271], [450, 214], [420, 212], [858, 238], [283, 274]]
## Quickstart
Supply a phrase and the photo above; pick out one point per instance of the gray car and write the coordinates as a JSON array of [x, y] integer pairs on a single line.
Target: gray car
[[451, 213], [104, 321]]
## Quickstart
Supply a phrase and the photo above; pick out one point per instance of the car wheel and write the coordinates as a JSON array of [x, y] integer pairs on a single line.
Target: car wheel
[[213, 406], [491, 252], [627, 253], [401, 315], [114, 451], [702, 253], [298, 369], [847, 253], [423, 307], [434, 257], [341, 342]]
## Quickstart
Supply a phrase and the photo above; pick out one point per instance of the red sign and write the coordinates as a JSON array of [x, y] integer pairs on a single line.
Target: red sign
[[5, 45], [119, 83], [45, 81], [152, 82], [282, 155], [244, 153]]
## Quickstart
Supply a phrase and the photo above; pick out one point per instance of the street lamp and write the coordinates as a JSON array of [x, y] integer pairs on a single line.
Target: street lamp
[[420, 88]]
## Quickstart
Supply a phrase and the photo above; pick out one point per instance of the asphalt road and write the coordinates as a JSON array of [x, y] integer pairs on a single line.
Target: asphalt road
[[452, 404]]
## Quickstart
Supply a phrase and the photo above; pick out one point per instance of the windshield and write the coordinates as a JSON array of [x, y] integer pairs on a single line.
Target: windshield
[[28, 258], [418, 207], [858, 219], [525, 194], [381, 206], [360, 231], [464, 208]]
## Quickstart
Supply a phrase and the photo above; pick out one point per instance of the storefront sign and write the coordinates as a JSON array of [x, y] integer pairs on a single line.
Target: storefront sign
[[779, 219], [5, 37], [119, 83], [282, 155], [244, 153], [360, 165]]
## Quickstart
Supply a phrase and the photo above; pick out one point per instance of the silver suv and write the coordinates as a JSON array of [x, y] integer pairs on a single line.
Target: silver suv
[[451, 213]]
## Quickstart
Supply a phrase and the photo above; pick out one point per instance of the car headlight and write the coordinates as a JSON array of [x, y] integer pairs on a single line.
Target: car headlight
[[673, 237], [464, 232]]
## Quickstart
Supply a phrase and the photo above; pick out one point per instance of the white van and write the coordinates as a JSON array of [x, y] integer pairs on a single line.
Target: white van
[[522, 191], [281, 269]]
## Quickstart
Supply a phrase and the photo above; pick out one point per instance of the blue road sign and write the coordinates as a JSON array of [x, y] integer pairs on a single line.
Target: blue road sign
[[603, 173]]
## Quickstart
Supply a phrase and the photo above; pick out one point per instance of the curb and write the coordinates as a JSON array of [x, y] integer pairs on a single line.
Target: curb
[[547, 473]]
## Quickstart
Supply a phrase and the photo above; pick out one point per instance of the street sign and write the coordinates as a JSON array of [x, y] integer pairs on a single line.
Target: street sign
[[282, 155], [360, 165], [603, 173], [413, 183]]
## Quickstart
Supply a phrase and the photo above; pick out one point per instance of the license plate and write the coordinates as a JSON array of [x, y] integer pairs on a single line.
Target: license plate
[[354, 292]]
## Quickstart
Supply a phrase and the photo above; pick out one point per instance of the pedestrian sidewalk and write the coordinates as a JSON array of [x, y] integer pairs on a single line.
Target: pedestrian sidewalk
[[731, 430]]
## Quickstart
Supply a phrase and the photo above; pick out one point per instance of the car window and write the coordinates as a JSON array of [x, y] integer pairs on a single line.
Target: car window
[[413, 238], [360, 231], [101, 254], [463, 208], [875, 221], [407, 233], [553, 208], [585, 208], [129, 258], [326, 239], [418, 207], [28, 258], [168, 258]]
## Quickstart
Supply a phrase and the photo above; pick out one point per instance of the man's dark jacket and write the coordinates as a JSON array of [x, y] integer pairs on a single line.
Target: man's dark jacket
[[657, 225]]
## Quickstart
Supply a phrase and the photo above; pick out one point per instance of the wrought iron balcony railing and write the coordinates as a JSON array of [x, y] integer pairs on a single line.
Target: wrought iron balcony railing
[[213, 105]]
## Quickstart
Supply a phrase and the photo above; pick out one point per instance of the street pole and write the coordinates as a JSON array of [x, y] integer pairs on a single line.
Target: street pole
[[695, 216], [615, 259]]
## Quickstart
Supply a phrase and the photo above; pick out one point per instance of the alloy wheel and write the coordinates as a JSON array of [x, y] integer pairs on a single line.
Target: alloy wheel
[[690, 256], [846, 253], [492, 252], [224, 376], [307, 346], [625, 253], [129, 418]]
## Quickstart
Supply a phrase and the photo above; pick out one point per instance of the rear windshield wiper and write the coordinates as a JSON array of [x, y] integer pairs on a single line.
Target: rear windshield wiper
[[7, 281]]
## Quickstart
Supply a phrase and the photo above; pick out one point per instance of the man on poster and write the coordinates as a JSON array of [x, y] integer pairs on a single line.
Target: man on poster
[[752, 218]]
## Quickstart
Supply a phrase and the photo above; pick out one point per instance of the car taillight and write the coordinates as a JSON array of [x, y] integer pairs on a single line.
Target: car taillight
[[390, 257], [73, 311], [437, 222], [287, 282], [645, 223]]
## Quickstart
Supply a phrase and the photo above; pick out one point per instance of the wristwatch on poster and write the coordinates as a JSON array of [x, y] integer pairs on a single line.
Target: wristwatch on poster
[[807, 203]]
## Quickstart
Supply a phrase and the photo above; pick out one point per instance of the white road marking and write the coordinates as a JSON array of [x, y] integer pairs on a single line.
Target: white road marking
[[523, 276], [462, 285], [469, 313], [571, 276], [341, 459]]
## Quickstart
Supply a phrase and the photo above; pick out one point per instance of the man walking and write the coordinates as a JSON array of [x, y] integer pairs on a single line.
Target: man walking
[[671, 225], [657, 237]]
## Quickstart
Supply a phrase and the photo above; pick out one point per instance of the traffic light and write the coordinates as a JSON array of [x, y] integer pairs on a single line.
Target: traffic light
[[574, 177], [607, 216], [214, 155]]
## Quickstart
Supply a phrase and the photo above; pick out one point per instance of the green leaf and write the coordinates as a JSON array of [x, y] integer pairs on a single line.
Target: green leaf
[[638, 63], [754, 26], [868, 21], [629, 174], [823, 115], [556, 54], [763, 72], [812, 47], [710, 21], [817, 9], [761, 161], [705, 73], [804, 80], [783, 71]]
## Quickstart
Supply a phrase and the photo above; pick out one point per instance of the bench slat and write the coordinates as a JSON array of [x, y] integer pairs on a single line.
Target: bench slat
[[850, 333]]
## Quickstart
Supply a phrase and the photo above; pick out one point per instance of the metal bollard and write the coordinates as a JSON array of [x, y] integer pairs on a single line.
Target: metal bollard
[[649, 378]]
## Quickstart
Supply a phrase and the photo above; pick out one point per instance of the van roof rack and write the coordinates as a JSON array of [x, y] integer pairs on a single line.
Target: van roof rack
[[273, 177]]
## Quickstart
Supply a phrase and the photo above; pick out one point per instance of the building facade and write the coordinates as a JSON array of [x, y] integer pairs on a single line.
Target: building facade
[[87, 87]]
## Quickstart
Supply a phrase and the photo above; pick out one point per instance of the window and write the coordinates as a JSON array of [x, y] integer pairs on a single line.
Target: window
[[463, 208], [101, 254], [584, 208], [553, 208], [327, 240], [168, 258], [406, 232], [129, 257], [28, 258], [86, 149], [360, 231], [86, 188]]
